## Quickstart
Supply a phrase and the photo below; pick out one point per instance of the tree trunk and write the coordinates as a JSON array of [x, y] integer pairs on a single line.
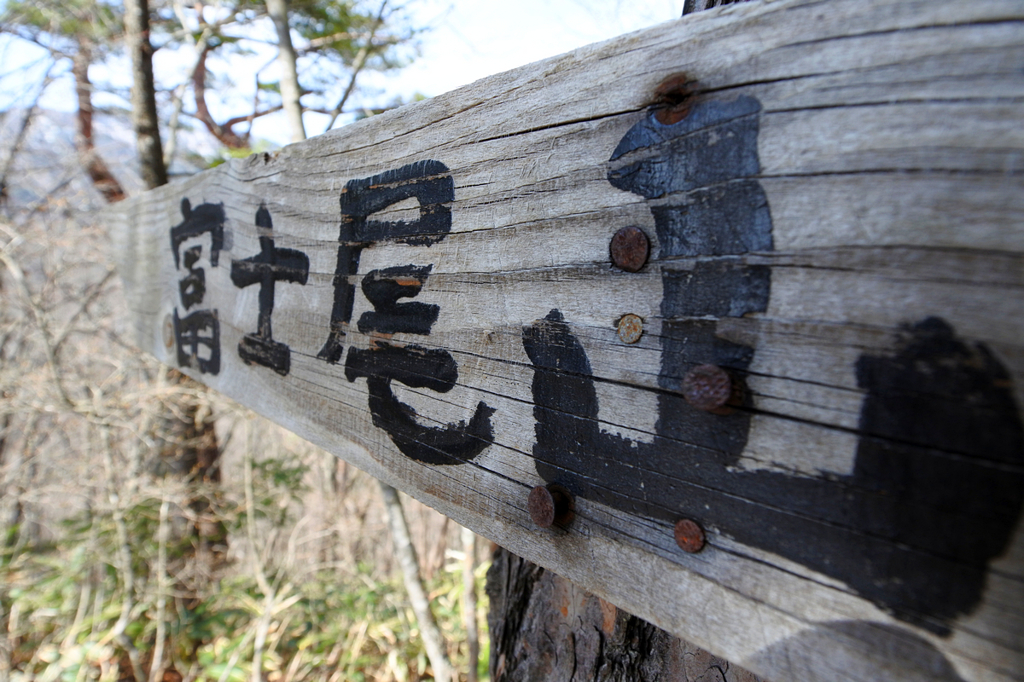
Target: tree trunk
[[545, 628], [290, 91], [144, 116], [102, 179]]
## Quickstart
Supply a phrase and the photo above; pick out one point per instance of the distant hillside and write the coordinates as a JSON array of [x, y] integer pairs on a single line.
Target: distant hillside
[[46, 164]]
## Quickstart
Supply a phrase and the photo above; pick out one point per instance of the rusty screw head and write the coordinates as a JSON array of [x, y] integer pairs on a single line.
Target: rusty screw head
[[631, 328], [689, 536], [549, 505], [674, 97], [630, 248], [708, 388], [168, 332]]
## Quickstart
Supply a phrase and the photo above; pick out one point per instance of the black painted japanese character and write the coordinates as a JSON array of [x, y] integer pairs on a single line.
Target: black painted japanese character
[[203, 219], [385, 361], [198, 340], [414, 366], [430, 184], [709, 208], [192, 286], [197, 334], [937, 486], [383, 288], [269, 266]]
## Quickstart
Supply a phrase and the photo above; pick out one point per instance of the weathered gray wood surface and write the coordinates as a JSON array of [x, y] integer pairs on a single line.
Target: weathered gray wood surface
[[833, 201]]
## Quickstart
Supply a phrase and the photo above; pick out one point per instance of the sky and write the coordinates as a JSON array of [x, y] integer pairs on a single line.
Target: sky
[[471, 39], [476, 38], [465, 40]]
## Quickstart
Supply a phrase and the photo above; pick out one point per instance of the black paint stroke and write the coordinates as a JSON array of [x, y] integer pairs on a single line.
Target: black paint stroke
[[192, 287], [418, 367], [414, 366], [936, 491], [716, 142], [938, 482], [200, 329], [383, 288], [572, 450], [271, 265], [715, 288], [430, 183], [203, 219], [941, 464]]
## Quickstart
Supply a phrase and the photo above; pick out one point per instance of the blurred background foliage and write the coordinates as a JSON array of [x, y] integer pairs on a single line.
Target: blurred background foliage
[[340, 620], [151, 530]]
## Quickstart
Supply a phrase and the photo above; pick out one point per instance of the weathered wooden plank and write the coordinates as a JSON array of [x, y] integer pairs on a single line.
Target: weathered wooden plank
[[832, 195]]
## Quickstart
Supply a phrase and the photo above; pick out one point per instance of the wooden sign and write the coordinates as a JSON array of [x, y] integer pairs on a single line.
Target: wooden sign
[[722, 321]]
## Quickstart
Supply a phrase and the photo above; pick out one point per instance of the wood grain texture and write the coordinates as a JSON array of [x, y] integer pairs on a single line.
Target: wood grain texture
[[832, 196]]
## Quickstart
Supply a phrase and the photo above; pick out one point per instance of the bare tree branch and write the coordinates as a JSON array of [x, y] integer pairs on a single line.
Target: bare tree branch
[[156, 668], [223, 133], [40, 318], [178, 94], [249, 118], [117, 633], [469, 602], [357, 66], [19, 137], [433, 640]]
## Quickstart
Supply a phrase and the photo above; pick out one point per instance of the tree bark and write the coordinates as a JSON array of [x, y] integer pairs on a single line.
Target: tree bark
[[545, 628], [144, 115], [290, 90], [102, 179]]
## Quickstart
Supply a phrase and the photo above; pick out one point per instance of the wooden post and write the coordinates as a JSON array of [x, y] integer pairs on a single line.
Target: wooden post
[[720, 320], [543, 627]]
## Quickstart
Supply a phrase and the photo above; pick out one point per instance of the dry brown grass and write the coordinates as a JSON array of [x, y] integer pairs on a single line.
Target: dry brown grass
[[81, 439]]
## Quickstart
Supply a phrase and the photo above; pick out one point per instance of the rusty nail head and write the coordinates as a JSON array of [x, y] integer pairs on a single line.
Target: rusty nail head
[[689, 536], [630, 248], [708, 388], [631, 328], [674, 97], [168, 331], [549, 505]]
